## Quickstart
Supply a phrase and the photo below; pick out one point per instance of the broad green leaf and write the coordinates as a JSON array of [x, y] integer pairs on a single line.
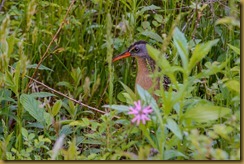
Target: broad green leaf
[[163, 63], [173, 126], [35, 125], [169, 154], [31, 136], [153, 36], [233, 85], [146, 96], [223, 130], [93, 156], [181, 44], [93, 142], [228, 20], [235, 49], [200, 51], [119, 108], [146, 8], [41, 94], [206, 112], [86, 121], [77, 123], [212, 68], [56, 107], [121, 97], [31, 105], [129, 91], [24, 132], [79, 139], [5, 95], [159, 18], [41, 67], [128, 98], [155, 54], [72, 150], [48, 119], [66, 84], [146, 25], [66, 130]]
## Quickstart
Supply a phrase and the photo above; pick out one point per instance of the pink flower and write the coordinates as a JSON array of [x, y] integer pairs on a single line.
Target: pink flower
[[140, 113]]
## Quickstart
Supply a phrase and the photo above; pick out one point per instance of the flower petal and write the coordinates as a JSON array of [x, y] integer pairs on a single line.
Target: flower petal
[[135, 119], [147, 110], [138, 105], [138, 122], [145, 117]]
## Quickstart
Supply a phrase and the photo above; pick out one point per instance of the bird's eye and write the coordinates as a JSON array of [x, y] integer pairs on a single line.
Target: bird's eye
[[136, 49]]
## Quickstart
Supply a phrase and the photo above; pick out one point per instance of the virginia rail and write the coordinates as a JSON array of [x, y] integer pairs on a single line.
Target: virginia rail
[[146, 65]]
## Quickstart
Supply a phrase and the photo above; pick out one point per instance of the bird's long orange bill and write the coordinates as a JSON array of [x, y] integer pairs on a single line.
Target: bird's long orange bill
[[121, 56]]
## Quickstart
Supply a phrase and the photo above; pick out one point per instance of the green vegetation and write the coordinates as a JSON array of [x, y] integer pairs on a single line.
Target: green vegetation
[[68, 46]]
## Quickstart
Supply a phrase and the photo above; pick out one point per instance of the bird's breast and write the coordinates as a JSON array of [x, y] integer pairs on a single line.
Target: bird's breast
[[144, 80], [143, 74]]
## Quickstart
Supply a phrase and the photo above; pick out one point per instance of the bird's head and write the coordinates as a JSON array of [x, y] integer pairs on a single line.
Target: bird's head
[[138, 49]]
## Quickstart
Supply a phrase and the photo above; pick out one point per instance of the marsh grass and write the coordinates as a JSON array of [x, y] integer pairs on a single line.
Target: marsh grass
[[199, 121]]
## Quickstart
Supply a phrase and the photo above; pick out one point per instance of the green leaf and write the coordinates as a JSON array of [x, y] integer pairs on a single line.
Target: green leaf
[[5, 95], [146, 96], [158, 18], [48, 118], [200, 51], [163, 63], [206, 112], [66, 84], [86, 122], [233, 85], [228, 20], [121, 97], [32, 106], [181, 44], [169, 154], [77, 123], [235, 49], [153, 36], [93, 142], [56, 107], [128, 98], [146, 8], [24, 132], [119, 108], [212, 68], [66, 130], [41, 94], [129, 91], [155, 54], [173, 126], [146, 25], [41, 67], [223, 130]]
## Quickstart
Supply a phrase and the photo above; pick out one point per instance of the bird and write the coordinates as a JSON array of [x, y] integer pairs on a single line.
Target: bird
[[145, 66]]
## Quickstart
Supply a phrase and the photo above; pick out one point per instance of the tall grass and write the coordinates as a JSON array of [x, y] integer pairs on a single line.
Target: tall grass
[[201, 40]]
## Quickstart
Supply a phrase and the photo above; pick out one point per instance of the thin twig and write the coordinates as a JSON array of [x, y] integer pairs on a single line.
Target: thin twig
[[60, 93], [2, 4], [48, 47]]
